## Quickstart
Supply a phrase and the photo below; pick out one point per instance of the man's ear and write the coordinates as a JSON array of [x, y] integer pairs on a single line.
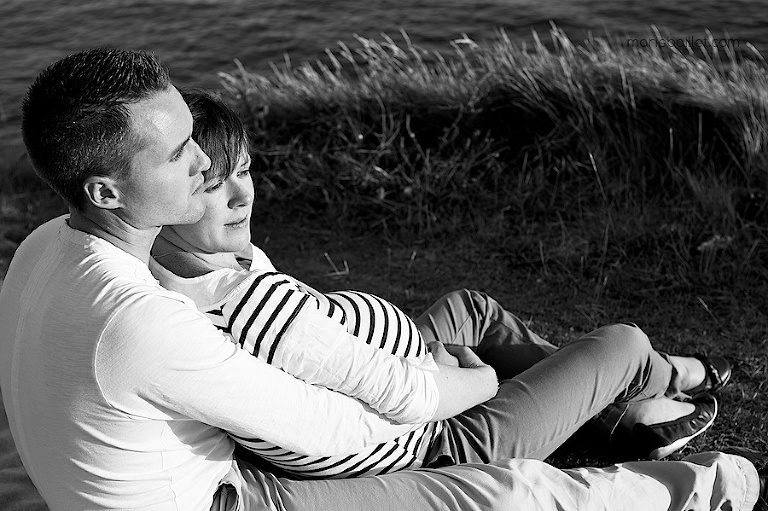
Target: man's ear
[[102, 192]]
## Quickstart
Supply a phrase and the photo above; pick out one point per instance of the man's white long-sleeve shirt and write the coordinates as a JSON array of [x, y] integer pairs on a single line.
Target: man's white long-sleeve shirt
[[116, 389]]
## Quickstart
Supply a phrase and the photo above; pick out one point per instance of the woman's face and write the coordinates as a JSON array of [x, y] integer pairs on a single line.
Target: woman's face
[[226, 223]]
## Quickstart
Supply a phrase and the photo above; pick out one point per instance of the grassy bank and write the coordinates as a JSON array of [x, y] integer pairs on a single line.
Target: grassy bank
[[617, 183], [579, 183], [589, 153]]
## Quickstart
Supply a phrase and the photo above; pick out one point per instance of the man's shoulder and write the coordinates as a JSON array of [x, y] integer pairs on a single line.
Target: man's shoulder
[[43, 234], [49, 228], [84, 267]]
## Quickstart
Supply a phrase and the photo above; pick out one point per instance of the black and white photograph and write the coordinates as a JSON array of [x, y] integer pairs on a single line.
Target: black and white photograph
[[289, 255]]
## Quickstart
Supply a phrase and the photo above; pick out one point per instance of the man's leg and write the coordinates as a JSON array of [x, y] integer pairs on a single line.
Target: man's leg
[[702, 482]]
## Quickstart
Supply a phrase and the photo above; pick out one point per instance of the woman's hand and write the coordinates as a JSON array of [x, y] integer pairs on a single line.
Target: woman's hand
[[464, 380], [441, 355], [465, 356], [454, 355]]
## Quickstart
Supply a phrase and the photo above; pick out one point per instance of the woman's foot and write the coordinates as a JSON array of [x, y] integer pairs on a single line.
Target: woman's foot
[[690, 370], [659, 427], [655, 411], [701, 374]]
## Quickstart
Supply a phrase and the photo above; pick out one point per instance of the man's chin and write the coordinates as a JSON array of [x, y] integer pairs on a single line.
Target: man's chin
[[193, 215]]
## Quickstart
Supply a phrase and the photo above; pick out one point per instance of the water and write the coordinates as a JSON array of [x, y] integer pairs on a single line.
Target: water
[[198, 38]]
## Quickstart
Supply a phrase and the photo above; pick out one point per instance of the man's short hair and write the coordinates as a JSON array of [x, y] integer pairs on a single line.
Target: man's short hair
[[75, 119], [218, 130]]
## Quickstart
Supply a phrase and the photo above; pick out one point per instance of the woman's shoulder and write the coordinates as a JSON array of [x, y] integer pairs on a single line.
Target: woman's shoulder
[[258, 259]]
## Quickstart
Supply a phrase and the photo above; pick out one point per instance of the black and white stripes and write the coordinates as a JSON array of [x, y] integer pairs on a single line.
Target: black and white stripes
[[380, 323], [401, 453], [258, 319]]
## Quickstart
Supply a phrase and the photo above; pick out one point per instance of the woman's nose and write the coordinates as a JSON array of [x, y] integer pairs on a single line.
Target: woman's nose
[[242, 196]]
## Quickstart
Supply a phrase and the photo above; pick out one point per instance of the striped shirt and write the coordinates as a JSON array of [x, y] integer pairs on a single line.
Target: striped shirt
[[259, 317]]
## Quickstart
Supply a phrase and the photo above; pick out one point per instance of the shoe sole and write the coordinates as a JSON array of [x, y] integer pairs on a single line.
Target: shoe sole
[[663, 452]]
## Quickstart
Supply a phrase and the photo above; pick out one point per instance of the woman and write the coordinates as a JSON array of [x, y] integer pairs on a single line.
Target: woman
[[546, 393]]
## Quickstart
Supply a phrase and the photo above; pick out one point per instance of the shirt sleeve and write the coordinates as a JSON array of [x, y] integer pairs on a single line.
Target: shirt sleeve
[[160, 357], [272, 318]]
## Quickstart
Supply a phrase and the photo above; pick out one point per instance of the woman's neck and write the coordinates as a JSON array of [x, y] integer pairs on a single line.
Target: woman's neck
[[178, 256]]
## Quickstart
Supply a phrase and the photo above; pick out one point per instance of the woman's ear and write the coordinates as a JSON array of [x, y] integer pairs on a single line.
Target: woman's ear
[[102, 192]]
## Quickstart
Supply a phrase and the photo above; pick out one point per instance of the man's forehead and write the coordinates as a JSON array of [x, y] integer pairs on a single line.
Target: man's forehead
[[163, 112]]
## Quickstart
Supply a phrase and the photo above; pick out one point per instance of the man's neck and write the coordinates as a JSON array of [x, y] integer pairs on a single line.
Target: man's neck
[[136, 242]]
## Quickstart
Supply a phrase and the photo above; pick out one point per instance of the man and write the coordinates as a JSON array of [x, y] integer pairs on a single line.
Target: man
[[117, 391]]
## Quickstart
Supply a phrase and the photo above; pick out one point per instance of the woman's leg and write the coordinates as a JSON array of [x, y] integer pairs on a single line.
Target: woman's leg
[[536, 411], [702, 482], [474, 319], [501, 339]]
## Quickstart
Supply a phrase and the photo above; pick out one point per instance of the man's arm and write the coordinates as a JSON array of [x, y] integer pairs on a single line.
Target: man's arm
[[165, 353]]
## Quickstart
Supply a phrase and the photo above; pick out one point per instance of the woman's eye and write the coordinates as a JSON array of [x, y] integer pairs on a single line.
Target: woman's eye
[[215, 186], [244, 172]]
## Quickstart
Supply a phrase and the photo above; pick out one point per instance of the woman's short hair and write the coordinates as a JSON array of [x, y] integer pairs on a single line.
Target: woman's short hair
[[218, 130]]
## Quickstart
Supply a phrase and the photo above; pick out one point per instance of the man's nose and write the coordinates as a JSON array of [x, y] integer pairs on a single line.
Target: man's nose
[[202, 159]]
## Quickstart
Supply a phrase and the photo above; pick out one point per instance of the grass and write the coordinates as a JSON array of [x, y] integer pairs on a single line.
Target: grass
[[580, 184], [590, 155], [611, 183]]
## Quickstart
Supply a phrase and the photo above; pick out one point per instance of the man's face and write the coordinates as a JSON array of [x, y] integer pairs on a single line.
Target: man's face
[[165, 181], [226, 224]]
